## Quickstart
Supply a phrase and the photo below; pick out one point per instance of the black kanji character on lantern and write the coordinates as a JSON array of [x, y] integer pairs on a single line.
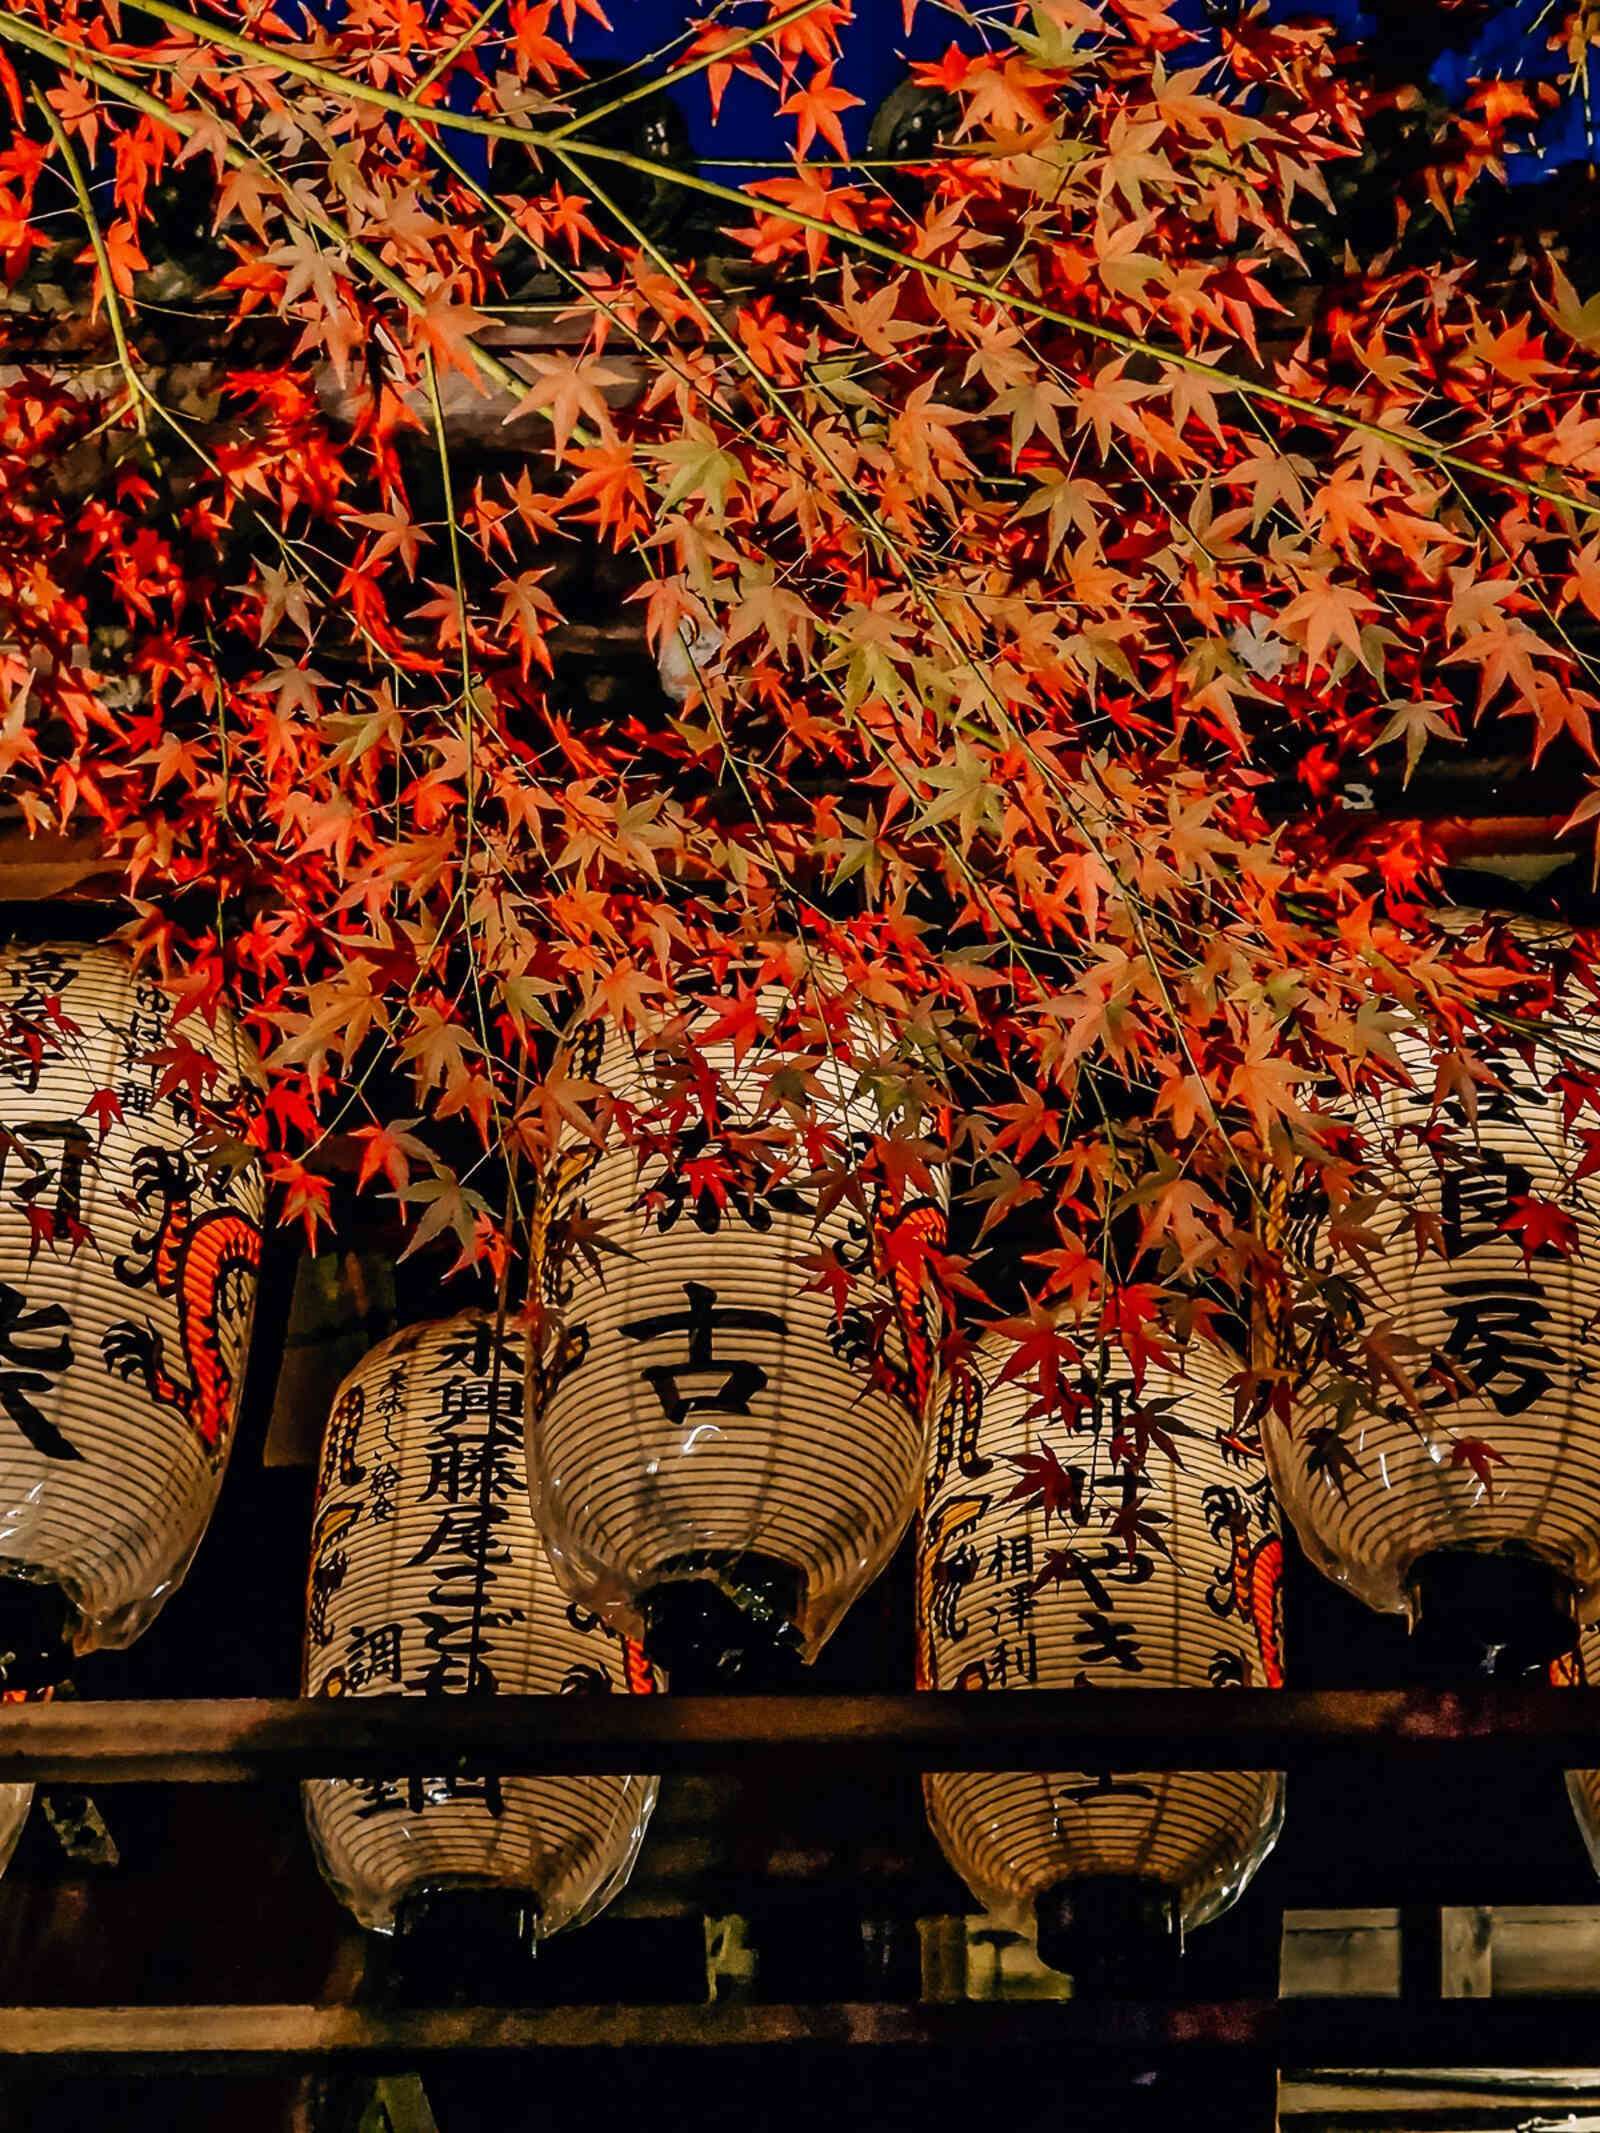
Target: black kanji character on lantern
[[374, 1655], [39, 976], [388, 1796], [1473, 1203], [459, 1643], [467, 1471], [1008, 1662], [478, 1352], [64, 1184], [740, 1380], [956, 1425], [484, 1791], [1010, 1557], [754, 1197], [471, 1399], [1103, 1640], [1495, 1325], [467, 1533], [36, 1342], [385, 1486]]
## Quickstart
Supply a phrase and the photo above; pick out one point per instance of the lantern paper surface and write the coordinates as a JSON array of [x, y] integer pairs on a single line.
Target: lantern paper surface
[[1519, 1331], [1008, 1599], [428, 1579], [702, 1404], [127, 1281], [15, 1800]]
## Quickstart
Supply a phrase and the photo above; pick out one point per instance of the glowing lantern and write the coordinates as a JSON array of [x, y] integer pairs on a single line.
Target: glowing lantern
[[428, 1579], [1476, 1514], [720, 1460], [127, 1280], [1025, 1581]]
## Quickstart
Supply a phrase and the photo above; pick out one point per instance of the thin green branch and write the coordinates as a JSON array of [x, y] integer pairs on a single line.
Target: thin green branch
[[137, 391]]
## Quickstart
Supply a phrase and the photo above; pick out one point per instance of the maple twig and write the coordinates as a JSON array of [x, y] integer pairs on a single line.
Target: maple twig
[[469, 35]]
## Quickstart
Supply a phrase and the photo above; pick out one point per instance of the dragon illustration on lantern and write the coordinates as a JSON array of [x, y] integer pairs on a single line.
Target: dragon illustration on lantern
[[202, 1260], [1251, 1584]]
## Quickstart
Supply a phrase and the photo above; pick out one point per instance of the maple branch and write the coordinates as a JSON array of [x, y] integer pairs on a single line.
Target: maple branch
[[641, 341], [305, 210], [875, 529], [872, 525], [237, 158], [856, 240], [138, 392]]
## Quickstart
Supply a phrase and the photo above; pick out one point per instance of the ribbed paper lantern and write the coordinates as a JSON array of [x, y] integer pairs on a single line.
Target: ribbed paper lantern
[[127, 1280], [719, 1463], [1010, 1598], [428, 1579], [1414, 1527]]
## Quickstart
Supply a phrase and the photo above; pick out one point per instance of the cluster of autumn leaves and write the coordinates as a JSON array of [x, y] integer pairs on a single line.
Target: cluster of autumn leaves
[[1044, 551]]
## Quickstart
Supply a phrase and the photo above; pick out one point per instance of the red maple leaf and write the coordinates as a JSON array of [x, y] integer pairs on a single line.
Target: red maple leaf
[[1481, 1457], [1541, 1225], [105, 1109], [185, 1067], [1046, 1481]]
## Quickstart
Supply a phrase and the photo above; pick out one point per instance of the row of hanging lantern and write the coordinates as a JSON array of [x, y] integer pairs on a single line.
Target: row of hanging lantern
[[717, 1463]]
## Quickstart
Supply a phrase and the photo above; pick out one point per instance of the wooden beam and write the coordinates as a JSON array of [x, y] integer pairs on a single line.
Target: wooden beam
[[1325, 2034], [39, 868], [1483, 1730]]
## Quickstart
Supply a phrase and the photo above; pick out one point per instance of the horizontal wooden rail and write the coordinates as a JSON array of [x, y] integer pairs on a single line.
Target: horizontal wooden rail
[[1485, 1730], [1302, 2034]]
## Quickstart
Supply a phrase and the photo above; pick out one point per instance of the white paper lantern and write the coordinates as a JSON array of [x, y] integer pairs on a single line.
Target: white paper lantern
[[702, 1412], [1016, 1595], [1516, 1328], [15, 1800], [127, 1281], [428, 1579]]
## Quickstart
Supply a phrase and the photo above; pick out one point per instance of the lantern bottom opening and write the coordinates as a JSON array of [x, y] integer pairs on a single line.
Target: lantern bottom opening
[[1498, 1615], [723, 1621], [37, 1622], [1111, 1933], [461, 1943]]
